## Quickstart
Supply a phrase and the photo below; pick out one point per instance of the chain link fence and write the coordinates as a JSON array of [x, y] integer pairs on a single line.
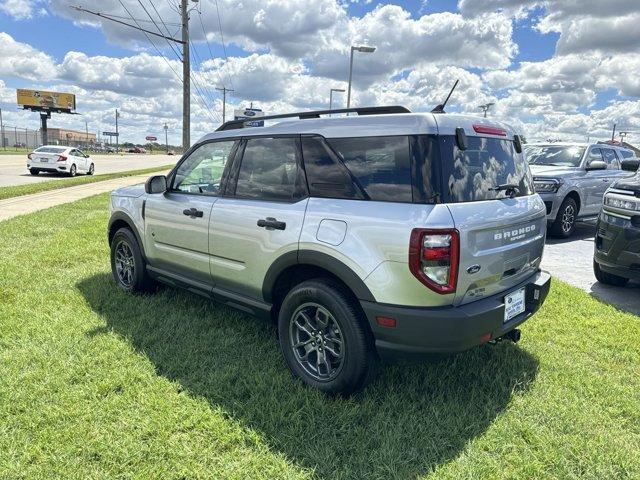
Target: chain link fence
[[18, 138]]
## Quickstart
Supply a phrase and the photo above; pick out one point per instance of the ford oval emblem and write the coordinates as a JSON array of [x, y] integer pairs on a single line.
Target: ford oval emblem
[[473, 269]]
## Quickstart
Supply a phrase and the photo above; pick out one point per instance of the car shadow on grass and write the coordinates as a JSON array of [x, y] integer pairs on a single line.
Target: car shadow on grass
[[412, 419]]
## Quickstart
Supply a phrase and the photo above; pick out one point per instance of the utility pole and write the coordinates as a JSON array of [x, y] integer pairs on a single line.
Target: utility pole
[[186, 78], [86, 130], [166, 141], [117, 135], [186, 66], [613, 134], [224, 91], [4, 144]]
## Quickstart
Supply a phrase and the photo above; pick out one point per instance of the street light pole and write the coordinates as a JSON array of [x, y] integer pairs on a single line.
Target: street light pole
[[117, 135], [166, 141], [331, 96], [4, 144], [363, 49], [485, 108]]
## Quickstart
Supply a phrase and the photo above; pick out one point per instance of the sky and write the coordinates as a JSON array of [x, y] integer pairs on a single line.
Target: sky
[[561, 69]]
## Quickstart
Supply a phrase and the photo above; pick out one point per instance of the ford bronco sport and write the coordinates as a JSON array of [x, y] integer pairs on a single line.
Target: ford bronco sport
[[380, 234]]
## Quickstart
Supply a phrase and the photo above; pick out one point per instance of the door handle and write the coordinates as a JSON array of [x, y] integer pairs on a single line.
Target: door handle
[[271, 223], [193, 212]]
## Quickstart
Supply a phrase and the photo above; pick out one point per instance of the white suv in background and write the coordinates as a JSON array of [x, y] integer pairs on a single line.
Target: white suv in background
[[60, 159]]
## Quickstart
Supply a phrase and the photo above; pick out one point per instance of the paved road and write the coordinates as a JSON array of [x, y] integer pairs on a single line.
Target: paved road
[[13, 168], [571, 261], [12, 207]]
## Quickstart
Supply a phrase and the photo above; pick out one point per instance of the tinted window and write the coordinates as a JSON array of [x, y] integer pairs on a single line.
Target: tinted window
[[627, 154], [610, 158], [595, 154], [325, 176], [472, 174], [554, 155], [269, 169], [202, 171], [381, 165]]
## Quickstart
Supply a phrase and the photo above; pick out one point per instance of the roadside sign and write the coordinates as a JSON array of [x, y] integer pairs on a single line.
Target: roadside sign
[[110, 134], [252, 114], [151, 138]]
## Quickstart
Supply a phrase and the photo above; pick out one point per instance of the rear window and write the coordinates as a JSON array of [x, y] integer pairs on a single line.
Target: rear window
[[50, 149], [473, 174], [381, 165]]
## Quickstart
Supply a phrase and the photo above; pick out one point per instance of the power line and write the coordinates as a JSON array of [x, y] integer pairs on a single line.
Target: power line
[[206, 107], [224, 48]]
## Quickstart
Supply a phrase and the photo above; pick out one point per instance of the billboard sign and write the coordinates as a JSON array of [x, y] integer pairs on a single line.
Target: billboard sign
[[110, 134], [250, 114], [44, 100], [151, 138]]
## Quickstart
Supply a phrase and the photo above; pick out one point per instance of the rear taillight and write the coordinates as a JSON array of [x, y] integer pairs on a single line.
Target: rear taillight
[[30, 157], [61, 158], [434, 256]]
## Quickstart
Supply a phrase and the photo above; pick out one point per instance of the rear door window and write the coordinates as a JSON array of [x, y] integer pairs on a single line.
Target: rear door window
[[610, 158], [269, 170], [326, 177], [473, 174], [380, 165]]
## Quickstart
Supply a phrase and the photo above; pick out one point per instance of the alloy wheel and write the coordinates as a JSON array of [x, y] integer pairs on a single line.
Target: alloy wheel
[[125, 263], [317, 341], [568, 218]]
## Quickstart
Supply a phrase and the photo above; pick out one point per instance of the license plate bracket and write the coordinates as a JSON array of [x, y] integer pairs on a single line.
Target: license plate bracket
[[514, 304]]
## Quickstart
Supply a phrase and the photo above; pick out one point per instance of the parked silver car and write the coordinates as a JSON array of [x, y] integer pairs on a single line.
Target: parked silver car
[[380, 234], [571, 178]]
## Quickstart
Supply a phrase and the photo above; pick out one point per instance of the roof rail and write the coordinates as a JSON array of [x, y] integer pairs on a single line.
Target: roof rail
[[235, 124]]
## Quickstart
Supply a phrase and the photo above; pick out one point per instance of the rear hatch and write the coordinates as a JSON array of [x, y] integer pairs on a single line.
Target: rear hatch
[[502, 230]]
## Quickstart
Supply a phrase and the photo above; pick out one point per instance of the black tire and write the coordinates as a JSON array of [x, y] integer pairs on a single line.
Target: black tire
[[91, 169], [565, 222], [358, 361], [608, 278], [138, 281], [73, 170], [34, 171]]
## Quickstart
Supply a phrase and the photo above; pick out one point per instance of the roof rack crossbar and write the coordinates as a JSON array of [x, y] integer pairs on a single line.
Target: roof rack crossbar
[[235, 124]]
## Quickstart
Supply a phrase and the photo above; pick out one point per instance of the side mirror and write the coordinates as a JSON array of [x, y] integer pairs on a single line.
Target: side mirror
[[630, 164], [461, 139], [517, 143], [156, 184], [596, 165], [86, 155]]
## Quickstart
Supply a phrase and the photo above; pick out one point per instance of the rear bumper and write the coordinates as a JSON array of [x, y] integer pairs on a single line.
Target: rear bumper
[[617, 246], [422, 330], [46, 167]]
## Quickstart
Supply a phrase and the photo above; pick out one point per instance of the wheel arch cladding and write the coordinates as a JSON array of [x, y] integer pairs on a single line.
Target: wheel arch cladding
[[576, 197], [121, 220], [293, 267]]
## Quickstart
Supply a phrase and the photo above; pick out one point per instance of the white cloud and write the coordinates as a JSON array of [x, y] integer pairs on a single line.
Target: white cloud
[[22, 9], [21, 60]]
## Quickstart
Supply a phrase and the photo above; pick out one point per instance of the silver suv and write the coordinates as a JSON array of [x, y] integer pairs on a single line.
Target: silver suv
[[571, 178], [368, 236]]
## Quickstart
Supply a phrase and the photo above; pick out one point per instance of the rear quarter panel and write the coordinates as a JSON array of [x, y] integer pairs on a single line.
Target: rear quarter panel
[[375, 244]]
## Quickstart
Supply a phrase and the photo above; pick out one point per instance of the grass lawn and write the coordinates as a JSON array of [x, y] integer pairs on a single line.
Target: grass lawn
[[18, 190], [98, 384]]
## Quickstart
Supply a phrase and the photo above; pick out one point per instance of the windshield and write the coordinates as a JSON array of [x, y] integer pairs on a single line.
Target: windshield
[[554, 155], [488, 169]]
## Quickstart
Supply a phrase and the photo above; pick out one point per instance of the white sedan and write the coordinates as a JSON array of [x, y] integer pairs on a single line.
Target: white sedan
[[60, 159]]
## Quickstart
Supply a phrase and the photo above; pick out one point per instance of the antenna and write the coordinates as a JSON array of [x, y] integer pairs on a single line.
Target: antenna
[[440, 108]]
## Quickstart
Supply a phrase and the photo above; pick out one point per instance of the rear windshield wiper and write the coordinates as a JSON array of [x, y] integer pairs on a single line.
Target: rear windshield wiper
[[510, 189]]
